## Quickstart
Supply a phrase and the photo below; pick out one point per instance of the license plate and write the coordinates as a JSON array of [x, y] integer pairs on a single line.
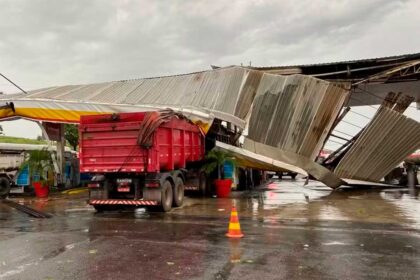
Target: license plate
[[124, 189], [124, 181]]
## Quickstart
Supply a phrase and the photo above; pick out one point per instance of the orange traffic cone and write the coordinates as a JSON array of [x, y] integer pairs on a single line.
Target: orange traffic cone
[[234, 226]]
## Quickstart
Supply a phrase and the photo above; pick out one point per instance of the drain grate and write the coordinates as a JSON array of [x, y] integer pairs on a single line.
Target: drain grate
[[30, 211]]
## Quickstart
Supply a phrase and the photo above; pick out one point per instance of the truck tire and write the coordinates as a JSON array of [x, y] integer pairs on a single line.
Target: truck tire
[[4, 187], [293, 175], [178, 192], [203, 186], [166, 197]]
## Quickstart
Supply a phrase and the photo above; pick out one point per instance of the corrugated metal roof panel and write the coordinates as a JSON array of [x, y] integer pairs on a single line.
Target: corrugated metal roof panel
[[82, 93], [376, 59], [388, 139], [246, 158], [52, 92], [226, 92], [294, 113], [114, 92]]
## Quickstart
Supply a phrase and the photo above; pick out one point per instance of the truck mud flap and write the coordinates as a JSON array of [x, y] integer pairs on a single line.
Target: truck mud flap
[[123, 202]]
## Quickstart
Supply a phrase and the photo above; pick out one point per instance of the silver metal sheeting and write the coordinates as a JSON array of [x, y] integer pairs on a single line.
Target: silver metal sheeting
[[225, 92], [311, 167], [295, 113], [247, 158], [387, 140], [290, 115]]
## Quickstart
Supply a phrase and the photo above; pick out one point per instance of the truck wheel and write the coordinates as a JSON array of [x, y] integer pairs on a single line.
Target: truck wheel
[[166, 197], [4, 187], [293, 175], [178, 192], [203, 188]]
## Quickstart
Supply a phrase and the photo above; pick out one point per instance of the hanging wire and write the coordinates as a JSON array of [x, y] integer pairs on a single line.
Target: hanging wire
[[13, 83], [336, 142], [382, 98], [352, 97], [339, 138], [352, 124], [369, 118], [343, 133]]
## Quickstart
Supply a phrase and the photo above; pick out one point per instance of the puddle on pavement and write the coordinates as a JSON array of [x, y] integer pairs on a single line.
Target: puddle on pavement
[[407, 202], [291, 200], [280, 193], [276, 202]]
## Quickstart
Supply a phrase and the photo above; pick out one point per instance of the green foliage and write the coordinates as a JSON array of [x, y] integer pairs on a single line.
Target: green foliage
[[71, 134], [39, 162], [214, 161], [17, 140]]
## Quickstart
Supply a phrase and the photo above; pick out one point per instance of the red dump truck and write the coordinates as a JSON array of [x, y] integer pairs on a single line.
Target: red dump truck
[[141, 159]]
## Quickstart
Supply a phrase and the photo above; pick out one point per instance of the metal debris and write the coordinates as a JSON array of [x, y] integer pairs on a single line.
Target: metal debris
[[387, 140]]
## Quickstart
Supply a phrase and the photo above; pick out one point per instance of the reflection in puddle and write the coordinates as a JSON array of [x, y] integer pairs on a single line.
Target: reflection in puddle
[[407, 201], [235, 250], [140, 213], [329, 212], [278, 194]]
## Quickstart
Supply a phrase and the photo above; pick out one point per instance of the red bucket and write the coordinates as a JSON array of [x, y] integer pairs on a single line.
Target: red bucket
[[223, 187], [40, 190]]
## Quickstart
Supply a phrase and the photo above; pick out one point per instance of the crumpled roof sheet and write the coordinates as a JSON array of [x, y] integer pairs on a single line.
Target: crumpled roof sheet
[[295, 113], [229, 91], [387, 140], [246, 158], [290, 114]]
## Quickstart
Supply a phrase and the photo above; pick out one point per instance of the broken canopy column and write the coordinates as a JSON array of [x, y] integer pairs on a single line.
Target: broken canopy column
[[290, 120], [55, 132]]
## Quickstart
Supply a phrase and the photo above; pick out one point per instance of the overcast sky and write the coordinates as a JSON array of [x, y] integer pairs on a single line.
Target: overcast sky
[[46, 43]]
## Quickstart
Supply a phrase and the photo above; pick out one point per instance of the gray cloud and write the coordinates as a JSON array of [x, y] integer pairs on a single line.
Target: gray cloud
[[44, 43]]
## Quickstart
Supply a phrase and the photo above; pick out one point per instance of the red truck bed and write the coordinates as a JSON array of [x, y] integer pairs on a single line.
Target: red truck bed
[[110, 143]]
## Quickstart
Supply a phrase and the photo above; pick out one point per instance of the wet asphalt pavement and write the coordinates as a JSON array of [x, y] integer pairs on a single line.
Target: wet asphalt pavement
[[291, 232]]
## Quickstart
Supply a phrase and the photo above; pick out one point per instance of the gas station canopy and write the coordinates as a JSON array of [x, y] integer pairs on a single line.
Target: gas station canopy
[[288, 118]]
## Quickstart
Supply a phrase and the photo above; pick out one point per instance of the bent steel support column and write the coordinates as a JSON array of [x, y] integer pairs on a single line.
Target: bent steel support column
[[61, 144], [50, 148]]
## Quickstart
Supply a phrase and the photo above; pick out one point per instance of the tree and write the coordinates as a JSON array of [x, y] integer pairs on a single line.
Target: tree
[[214, 161], [71, 134]]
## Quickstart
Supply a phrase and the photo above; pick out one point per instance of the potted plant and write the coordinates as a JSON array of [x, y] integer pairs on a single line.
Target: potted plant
[[215, 161], [39, 163]]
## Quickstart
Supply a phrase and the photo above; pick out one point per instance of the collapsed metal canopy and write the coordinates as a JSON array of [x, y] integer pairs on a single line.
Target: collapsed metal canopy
[[288, 117], [297, 109], [225, 93]]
